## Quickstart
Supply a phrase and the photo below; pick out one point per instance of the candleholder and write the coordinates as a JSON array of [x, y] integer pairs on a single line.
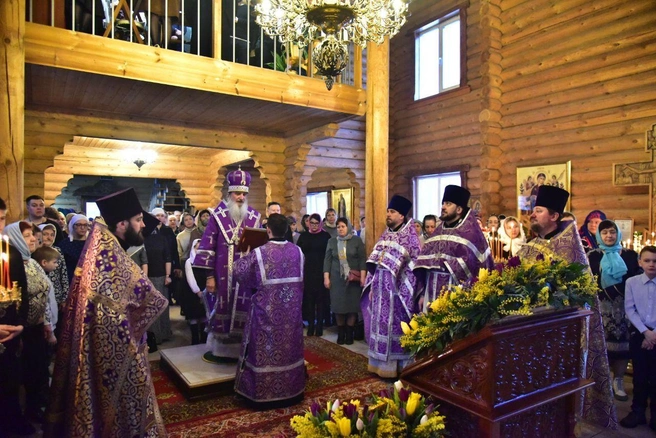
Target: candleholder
[[9, 297]]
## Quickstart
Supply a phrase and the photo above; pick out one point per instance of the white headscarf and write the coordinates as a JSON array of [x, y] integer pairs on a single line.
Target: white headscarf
[[49, 225], [508, 243], [71, 225], [17, 240]]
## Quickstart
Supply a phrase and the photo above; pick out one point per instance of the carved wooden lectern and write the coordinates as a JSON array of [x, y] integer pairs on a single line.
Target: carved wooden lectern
[[520, 377]]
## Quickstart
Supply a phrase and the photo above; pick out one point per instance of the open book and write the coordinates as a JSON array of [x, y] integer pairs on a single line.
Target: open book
[[252, 237]]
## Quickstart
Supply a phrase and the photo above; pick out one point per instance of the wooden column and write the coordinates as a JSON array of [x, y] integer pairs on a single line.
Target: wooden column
[[377, 142], [12, 105]]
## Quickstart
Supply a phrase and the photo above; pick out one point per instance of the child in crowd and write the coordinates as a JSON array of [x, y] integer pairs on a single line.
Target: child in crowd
[[640, 306], [48, 258]]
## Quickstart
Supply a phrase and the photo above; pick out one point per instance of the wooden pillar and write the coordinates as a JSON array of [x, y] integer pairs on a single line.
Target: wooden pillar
[[377, 142], [12, 105]]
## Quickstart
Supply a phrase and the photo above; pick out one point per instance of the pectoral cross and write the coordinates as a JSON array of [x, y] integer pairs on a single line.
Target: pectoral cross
[[640, 173]]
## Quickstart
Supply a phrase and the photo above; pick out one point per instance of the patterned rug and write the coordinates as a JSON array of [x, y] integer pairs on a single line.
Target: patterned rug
[[334, 373]]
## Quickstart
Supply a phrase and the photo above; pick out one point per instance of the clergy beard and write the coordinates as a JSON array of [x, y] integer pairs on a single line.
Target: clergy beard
[[237, 212], [448, 218], [133, 238]]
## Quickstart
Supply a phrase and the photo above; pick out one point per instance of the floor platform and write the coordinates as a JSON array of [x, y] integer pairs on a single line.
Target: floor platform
[[196, 378]]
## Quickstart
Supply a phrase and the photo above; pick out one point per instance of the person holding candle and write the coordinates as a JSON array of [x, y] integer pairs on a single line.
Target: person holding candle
[[613, 265], [455, 251], [12, 321]]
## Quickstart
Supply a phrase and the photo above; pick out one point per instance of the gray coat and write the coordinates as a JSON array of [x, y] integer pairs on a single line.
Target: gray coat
[[344, 296]]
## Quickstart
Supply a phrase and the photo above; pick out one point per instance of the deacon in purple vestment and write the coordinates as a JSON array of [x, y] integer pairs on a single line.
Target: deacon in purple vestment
[[271, 368], [562, 239], [389, 290], [102, 385], [455, 251], [225, 302]]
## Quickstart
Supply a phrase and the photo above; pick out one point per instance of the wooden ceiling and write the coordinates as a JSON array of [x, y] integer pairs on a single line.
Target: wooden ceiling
[[75, 92]]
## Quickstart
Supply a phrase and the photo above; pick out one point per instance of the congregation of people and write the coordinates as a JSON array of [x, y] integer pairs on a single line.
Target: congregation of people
[[96, 294]]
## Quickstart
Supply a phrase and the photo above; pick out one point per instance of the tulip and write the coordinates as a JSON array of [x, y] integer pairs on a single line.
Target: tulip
[[424, 419], [315, 408], [403, 394], [413, 402], [406, 328], [335, 406], [414, 324], [359, 424], [398, 385], [344, 425], [482, 274]]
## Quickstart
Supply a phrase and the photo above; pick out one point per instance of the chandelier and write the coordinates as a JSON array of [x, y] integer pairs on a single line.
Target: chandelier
[[334, 23], [139, 156]]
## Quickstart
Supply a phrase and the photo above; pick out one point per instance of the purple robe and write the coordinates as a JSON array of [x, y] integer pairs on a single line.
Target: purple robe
[[271, 365], [392, 284], [598, 406], [102, 385], [451, 256], [217, 252]]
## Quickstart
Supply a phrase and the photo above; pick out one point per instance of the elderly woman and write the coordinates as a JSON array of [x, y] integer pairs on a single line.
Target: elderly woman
[[512, 236], [38, 328], [344, 272], [315, 296], [588, 230], [612, 265], [71, 248]]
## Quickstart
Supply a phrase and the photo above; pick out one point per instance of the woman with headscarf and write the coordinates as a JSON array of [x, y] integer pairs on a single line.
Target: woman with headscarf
[[512, 236], [345, 254], [71, 248], [315, 296], [612, 265], [38, 327], [191, 297], [588, 230], [58, 277]]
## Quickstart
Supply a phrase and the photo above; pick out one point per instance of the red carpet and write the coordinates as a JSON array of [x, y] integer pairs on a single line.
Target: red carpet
[[334, 372]]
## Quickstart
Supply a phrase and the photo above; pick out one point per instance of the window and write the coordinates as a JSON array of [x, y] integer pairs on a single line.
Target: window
[[428, 191], [316, 203], [438, 55]]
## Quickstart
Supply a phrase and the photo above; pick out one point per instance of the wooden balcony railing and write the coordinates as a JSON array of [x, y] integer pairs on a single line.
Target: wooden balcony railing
[[220, 29]]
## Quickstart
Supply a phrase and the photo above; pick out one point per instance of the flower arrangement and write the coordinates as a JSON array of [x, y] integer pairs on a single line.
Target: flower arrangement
[[399, 413], [513, 288]]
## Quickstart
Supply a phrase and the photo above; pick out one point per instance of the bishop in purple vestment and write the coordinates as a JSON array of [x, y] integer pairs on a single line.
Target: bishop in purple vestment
[[225, 302], [271, 368], [562, 239], [455, 251], [389, 290]]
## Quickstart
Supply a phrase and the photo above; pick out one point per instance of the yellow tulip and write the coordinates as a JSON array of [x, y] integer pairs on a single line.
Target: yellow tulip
[[344, 425], [482, 274], [414, 324], [413, 402], [405, 327]]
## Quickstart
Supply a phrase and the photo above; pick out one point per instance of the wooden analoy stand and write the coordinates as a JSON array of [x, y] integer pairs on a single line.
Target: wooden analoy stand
[[516, 378]]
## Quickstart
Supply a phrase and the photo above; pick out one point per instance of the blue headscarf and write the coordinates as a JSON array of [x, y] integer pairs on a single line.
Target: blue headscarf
[[612, 266]]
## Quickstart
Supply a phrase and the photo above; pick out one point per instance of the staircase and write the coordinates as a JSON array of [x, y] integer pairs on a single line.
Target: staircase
[[166, 194]]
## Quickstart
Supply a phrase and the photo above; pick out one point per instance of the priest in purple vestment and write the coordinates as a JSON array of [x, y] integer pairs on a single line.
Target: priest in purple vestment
[[271, 368], [102, 385], [455, 251], [388, 294], [226, 304], [559, 238]]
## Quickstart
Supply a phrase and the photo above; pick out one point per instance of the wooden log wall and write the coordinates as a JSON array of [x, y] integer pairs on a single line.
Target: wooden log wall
[[441, 133], [578, 84], [549, 82]]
